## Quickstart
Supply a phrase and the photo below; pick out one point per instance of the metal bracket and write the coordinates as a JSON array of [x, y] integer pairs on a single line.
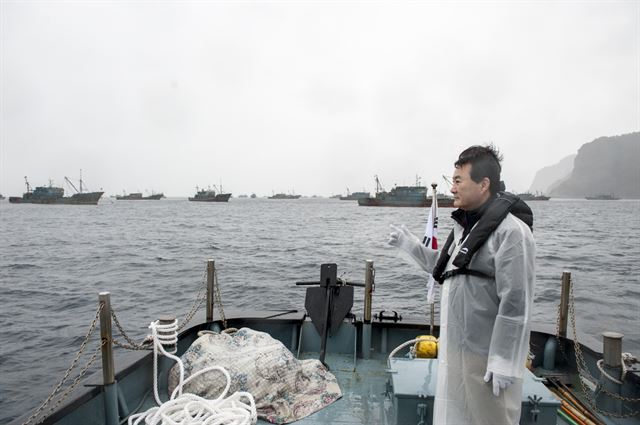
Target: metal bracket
[[535, 407], [422, 413], [388, 389]]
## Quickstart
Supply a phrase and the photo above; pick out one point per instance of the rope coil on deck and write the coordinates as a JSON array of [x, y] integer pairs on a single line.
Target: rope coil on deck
[[185, 408], [145, 344], [626, 358]]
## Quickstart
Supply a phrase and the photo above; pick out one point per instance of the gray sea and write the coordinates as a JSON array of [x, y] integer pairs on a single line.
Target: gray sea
[[151, 256]]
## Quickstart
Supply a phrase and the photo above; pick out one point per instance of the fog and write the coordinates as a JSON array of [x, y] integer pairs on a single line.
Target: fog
[[306, 97]]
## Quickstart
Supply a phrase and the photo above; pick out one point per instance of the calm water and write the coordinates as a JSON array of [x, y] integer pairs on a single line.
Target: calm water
[[151, 257]]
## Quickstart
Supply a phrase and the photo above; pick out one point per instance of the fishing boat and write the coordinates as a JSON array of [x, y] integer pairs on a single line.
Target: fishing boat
[[1, 197], [602, 197], [137, 196], [528, 196], [404, 196], [374, 364], [355, 196], [210, 195], [284, 196], [55, 195]]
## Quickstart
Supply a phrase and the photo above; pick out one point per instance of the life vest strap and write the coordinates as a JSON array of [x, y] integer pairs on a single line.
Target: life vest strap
[[446, 275]]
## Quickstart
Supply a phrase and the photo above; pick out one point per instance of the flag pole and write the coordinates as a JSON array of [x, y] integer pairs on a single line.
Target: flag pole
[[432, 305]]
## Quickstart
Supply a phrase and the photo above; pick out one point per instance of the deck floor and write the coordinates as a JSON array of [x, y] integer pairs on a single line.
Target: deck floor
[[363, 393], [363, 400]]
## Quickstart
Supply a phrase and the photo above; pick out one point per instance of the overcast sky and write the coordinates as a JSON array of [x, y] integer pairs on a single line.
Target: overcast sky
[[310, 97]]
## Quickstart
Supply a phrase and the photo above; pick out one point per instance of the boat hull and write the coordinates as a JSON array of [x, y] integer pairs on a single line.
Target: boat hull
[[155, 197], [88, 198], [534, 198], [281, 196], [355, 196], [221, 197], [425, 203]]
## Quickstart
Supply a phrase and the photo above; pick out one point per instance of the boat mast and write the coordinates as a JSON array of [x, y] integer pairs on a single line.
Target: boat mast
[[81, 180], [447, 180], [28, 185], [379, 187], [69, 181]]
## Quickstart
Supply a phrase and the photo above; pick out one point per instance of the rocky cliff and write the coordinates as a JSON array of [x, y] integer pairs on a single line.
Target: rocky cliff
[[608, 165], [550, 176]]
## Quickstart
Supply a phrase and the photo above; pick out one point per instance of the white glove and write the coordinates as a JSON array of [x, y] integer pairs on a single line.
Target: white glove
[[500, 382], [403, 239]]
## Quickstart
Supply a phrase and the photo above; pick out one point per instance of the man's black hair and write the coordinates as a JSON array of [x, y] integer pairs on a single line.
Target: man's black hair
[[485, 162]]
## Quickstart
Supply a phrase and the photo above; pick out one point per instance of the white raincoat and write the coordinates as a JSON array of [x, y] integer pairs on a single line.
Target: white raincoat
[[484, 326]]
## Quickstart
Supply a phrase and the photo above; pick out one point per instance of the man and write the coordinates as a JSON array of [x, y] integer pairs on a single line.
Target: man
[[487, 273]]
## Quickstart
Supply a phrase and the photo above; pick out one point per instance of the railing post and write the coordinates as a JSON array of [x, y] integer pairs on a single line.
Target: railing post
[[105, 337], [612, 365], [564, 303], [108, 370], [369, 276], [211, 271], [368, 290], [612, 348]]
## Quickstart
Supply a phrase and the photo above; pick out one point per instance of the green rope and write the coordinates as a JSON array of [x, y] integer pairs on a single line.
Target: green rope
[[566, 418]]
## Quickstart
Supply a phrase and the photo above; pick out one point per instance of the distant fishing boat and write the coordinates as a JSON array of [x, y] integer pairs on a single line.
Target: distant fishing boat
[[602, 198], [355, 196], [210, 195], [55, 195], [253, 196], [137, 196], [528, 196], [284, 196], [1, 197], [403, 196]]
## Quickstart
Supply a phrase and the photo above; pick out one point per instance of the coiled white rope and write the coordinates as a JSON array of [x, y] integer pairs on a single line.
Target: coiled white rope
[[626, 358], [190, 409]]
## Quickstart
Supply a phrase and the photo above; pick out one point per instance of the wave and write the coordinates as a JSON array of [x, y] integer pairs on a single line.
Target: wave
[[22, 266]]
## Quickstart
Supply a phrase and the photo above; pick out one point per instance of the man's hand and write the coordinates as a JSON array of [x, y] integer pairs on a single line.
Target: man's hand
[[500, 382], [409, 244], [402, 238]]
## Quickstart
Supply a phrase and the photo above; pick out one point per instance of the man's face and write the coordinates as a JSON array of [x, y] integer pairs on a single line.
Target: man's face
[[467, 194]]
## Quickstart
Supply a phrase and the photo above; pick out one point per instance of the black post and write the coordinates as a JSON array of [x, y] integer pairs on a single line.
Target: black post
[[328, 280]]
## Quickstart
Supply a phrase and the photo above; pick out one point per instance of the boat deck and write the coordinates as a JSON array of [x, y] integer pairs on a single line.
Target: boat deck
[[372, 392], [367, 394], [363, 393]]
